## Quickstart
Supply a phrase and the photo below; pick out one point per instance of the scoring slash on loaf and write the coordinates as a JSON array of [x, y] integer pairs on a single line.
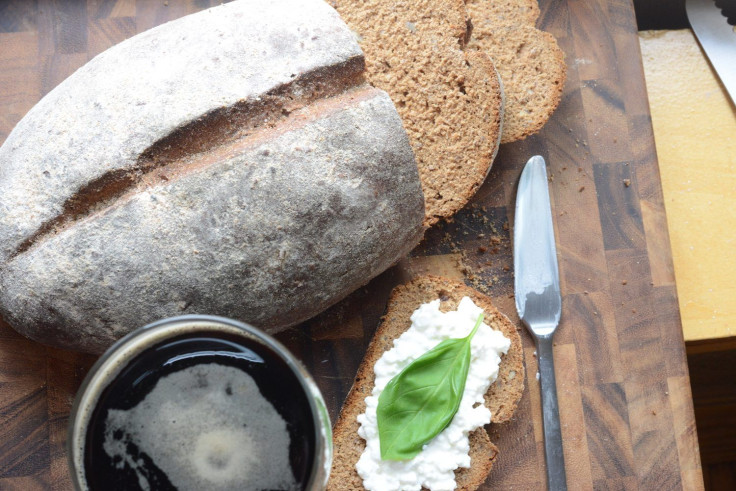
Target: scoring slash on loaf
[[529, 61], [450, 100], [231, 162], [502, 397]]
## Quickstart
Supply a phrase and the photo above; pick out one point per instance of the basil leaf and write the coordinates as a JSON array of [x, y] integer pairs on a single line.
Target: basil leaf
[[418, 403]]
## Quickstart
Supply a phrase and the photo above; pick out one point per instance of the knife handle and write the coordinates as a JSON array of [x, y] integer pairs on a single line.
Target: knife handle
[[556, 479]]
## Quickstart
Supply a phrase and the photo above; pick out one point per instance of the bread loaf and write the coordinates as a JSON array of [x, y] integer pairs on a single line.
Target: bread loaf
[[502, 397], [231, 162]]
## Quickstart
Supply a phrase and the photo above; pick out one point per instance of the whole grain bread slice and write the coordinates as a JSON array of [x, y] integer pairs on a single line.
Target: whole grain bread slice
[[502, 397], [450, 101], [502, 12], [530, 62]]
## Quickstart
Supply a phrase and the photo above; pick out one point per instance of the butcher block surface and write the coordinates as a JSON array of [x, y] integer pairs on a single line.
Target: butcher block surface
[[623, 385]]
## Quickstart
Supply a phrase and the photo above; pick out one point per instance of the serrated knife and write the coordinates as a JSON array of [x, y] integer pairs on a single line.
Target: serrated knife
[[538, 301], [718, 39]]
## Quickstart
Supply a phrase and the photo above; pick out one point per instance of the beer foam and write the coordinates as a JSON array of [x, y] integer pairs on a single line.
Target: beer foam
[[205, 427]]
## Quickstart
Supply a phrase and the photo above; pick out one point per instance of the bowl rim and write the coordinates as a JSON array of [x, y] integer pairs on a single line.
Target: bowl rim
[[116, 358]]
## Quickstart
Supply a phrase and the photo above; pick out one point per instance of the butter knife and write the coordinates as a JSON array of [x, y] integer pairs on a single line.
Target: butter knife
[[718, 39], [538, 301]]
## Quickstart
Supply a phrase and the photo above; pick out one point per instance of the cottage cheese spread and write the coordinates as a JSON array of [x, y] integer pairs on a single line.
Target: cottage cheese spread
[[434, 467]]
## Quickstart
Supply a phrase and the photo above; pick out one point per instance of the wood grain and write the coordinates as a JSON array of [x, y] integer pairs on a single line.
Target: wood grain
[[695, 130], [623, 383]]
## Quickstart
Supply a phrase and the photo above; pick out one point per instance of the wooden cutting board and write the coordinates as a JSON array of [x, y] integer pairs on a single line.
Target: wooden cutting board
[[625, 401]]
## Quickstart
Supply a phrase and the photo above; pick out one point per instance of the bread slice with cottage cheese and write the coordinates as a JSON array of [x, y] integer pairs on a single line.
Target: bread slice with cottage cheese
[[502, 397]]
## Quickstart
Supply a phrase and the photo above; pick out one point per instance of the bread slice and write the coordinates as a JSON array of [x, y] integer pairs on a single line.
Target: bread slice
[[504, 12], [450, 101], [530, 62], [502, 397]]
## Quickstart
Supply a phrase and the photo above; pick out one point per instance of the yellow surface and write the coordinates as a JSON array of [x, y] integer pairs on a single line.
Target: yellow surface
[[695, 134]]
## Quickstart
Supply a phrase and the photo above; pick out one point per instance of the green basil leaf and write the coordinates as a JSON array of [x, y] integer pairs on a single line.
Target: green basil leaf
[[418, 403]]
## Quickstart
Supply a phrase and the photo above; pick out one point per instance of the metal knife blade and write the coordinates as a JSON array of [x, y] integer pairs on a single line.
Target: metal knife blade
[[538, 300], [717, 38], [536, 280]]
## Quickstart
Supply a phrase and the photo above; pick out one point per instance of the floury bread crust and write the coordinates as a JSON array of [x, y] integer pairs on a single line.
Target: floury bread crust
[[100, 122], [232, 162], [450, 101], [502, 397]]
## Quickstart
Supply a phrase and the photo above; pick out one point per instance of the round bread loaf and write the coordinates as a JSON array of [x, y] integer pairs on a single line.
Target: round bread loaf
[[231, 162]]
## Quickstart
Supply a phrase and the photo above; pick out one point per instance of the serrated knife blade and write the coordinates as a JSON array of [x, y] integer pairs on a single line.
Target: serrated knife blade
[[718, 39], [538, 300]]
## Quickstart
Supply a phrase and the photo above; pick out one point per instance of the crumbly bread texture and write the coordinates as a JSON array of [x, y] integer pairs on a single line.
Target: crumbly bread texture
[[449, 100], [485, 13], [502, 397], [530, 62]]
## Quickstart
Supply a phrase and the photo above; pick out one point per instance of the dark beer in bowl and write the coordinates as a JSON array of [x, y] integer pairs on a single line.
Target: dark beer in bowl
[[198, 405]]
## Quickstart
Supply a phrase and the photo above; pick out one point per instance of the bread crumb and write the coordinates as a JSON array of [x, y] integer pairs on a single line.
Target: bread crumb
[[627, 182], [624, 282]]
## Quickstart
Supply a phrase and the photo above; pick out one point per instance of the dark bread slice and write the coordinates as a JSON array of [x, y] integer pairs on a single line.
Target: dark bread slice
[[506, 12], [531, 64], [449, 100], [502, 397]]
